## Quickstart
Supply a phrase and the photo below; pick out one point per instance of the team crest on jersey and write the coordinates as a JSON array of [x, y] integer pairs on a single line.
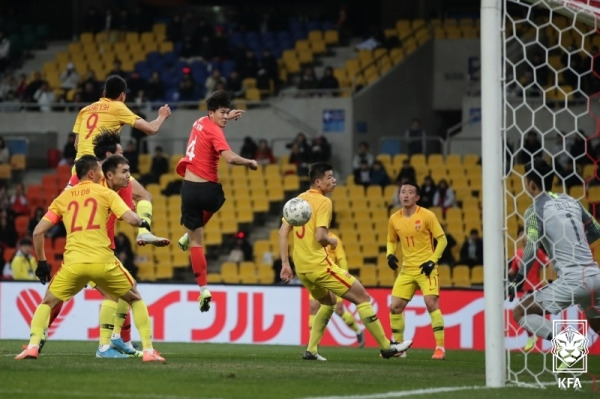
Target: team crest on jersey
[[417, 225]]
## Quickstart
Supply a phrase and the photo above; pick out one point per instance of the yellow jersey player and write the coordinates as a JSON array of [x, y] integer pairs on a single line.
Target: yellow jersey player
[[84, 210], [109, 114], [319, 274], [338, 256], [415, 228]]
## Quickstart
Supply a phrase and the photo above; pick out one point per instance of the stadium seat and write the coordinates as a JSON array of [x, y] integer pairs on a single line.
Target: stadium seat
[[477, 275], [164, 271], [21, 224], [461, 276], [230, 273], [444, 276], [368, 276]]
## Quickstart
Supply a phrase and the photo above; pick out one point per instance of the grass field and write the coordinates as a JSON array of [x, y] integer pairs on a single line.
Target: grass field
[[68, 369]]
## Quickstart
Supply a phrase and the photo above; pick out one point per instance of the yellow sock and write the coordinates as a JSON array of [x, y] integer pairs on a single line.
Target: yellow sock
[[437, 324], [397, 325], [121, 313], [141, 319], [144, 210], [108, 308], [318, 328], [372, 323], [311, 320], [39, 324], [350, 321]]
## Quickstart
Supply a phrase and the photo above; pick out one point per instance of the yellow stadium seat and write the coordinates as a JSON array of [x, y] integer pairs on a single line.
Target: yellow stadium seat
[[368, 276], [331, 37], [266, 274], [444, 276], [461, 276], [230, 273], [477, 275]]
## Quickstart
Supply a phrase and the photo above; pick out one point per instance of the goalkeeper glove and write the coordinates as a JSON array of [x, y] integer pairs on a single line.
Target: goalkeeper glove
[[43, 271], [392, 261], [144, 223], [427, 267], [513, 287]]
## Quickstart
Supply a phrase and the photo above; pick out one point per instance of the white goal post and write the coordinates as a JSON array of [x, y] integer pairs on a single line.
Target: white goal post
[[537, 78]]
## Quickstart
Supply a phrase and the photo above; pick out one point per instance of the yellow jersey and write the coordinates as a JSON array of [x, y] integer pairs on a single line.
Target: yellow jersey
[[309, 255], [338, 255], [104, 114], [416, 236], [84, 210]]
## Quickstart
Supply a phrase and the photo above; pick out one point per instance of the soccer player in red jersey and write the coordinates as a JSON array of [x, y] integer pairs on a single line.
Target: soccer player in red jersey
[[532, 282], [201, 193]]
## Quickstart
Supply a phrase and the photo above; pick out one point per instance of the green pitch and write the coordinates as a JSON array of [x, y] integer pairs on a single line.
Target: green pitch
[[68, 369]]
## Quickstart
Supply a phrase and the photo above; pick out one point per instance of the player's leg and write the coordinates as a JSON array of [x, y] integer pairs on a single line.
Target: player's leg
[[114, 279], [184, 242], [313, 308], [530, 315], [430, 289], [402, 292], [348, 318], [144, 210], [121, 333]]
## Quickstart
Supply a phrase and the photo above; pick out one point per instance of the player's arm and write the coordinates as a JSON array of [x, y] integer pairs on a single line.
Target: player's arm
[[76, 142], [151, 128], [322, 236], [286, 273], [532, 231], [340, 254], [442, 242], [235, 114], [234, 159], [591, 226]]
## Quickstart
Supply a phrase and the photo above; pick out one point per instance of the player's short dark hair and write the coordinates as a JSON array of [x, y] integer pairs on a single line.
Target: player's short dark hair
[[106, 141], [541, 173], [84, 164], [412, 183], [114, 86], [317, 171], [112, 162], [218, 99]]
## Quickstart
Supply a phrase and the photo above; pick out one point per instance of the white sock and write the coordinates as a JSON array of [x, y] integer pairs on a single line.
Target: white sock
[[103, 348], [537, 325], [115, 336]]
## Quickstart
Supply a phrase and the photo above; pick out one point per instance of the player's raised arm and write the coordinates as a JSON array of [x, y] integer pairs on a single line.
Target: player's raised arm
[[151, 128]]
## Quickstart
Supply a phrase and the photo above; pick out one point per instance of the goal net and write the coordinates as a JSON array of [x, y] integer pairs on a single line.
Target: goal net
[[551, 93]]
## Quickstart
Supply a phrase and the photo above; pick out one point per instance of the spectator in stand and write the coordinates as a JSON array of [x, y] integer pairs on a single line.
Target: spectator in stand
[[447, 257], [90, 77], [407, 172], [21, 88], [4, 153], [8, 232], [187, 89], [264, 154], [33, 86], [154, 88], [8, 84], [249, 147], [90, 93], [131, 152], [135, 84], [234, 85], [428, 189], [125, 254], [160, 166], [299, 159], [532, 148], [118, 69], [18, 201], [4, 52], [362, 175], [69, 78], [69, 151], [220, 44], [23, 264], [206, 49], [11, 103], [263, 81], [320, 150], [189, 50], [45, 98], [379, 175], [471, 252], [328, 81], [141, 138], [444, 196], [363, 154], [241, 250], [269, 63], [212, 81], [248, 65], [38, 214], [415, 136], [308, 80]]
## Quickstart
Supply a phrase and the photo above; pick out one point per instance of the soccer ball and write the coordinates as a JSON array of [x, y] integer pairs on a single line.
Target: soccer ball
[[297, 211]]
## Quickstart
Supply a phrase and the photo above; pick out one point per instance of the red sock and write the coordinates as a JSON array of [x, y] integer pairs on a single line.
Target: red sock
[[198, 265], [126, 329], [55, 312]]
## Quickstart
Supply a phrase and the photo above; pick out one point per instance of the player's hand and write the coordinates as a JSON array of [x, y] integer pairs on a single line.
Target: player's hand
[[286, 273], [427, 267], [164, 111], [43, 271], [511, 291], [333, 242], [235, 114], [392, 261], [144, 223], [253, 165]]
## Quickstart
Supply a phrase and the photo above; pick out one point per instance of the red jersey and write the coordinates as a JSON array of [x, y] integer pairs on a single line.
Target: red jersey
[[204, 147], [126, 194], [532, 282]]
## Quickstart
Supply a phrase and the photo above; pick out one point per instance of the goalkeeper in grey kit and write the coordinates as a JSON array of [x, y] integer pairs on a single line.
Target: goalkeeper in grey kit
[[565, 229]]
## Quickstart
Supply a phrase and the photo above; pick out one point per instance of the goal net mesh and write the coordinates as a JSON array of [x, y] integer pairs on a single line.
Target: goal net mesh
[[551, 100]]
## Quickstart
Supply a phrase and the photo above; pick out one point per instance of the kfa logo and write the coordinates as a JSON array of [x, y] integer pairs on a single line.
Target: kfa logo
[[569, 350]]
